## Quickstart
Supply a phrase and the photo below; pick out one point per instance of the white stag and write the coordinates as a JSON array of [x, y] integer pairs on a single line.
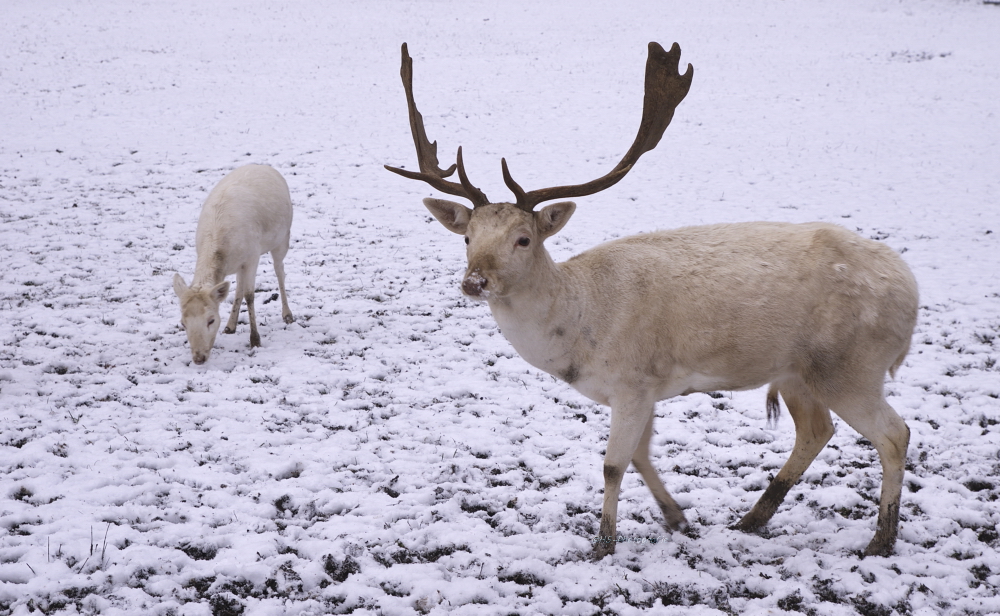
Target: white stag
[[814, 310], [248, 213]]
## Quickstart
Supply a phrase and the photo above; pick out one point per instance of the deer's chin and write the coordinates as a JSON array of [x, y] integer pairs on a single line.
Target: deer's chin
[[482, 296]]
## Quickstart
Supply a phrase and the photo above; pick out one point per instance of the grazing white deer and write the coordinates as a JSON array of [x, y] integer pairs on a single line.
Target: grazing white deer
[[814, 310], [248, 213]]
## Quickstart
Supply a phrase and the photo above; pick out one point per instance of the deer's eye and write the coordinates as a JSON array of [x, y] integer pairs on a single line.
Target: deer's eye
[[211, 322], [524, 241], [466, 241]]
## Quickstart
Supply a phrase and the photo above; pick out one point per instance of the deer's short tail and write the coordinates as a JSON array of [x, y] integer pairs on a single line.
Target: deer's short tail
[[773, 406]]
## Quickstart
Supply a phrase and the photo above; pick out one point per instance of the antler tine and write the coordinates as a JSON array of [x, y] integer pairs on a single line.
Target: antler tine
[[475, 195], [665, 89], [511, 184], [430, 170]]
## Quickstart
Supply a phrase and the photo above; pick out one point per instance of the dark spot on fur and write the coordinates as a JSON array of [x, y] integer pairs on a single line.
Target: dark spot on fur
[[559, 331], [570, 375], [612, 474]]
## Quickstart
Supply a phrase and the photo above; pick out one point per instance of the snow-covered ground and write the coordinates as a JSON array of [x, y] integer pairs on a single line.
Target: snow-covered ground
[[389, 453]]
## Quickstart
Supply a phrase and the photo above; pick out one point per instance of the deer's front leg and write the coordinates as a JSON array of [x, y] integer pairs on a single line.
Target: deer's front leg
[[234, 314], [673, 517], [628, 421], [249, 279]]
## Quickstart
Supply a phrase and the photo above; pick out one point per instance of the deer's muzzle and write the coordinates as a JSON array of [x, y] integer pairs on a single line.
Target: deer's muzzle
[[474, 285]]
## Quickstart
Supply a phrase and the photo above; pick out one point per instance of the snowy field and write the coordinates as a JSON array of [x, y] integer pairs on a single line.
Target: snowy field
[[389, 453]]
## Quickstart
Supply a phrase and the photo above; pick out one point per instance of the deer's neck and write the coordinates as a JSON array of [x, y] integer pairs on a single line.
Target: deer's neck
[[210, 269], [545, 319]]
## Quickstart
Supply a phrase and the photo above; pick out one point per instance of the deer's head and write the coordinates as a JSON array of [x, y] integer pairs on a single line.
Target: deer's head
[[503, 242], [505, 239], [200, 315]]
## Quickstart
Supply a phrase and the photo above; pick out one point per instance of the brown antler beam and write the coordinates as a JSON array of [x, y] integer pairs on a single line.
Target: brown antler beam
[[430, 170], [665, 89]]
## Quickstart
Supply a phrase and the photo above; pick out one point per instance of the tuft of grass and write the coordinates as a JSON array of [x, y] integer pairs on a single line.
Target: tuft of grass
[[199, 552], [522, 578], [225, 604], [339, 571]]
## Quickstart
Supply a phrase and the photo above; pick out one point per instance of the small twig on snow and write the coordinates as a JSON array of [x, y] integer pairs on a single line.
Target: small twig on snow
[[104, 548]]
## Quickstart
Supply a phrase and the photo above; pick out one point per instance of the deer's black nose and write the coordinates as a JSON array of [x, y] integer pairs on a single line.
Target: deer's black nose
[[474, 284]]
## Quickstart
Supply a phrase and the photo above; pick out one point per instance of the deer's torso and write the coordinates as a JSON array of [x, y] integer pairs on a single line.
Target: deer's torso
[[719, 307], [246, 215]]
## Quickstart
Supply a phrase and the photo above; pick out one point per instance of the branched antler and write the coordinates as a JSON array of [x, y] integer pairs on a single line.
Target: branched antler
[[665, 89], [430, 171]]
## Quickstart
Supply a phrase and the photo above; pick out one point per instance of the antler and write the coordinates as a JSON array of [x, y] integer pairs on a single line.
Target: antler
[[430, 171], [665, 89]]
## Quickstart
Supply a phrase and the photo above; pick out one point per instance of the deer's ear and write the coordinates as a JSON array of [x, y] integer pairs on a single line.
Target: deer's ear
[[220, 292], [552, 218], [179, 285], [454, 216]]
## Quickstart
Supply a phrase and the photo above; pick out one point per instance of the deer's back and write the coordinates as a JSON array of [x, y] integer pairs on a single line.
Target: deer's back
[[248, 213], [743, 303]]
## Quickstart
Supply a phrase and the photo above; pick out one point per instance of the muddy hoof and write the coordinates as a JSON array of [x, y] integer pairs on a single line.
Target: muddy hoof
[[602, 548], [675, 523], [749, 524], [878, 549]]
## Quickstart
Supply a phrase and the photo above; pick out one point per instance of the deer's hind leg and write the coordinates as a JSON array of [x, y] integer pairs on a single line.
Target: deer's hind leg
[[866, 411], [278, 255], [813, 429]]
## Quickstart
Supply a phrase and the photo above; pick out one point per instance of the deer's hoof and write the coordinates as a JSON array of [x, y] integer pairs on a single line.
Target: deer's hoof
[[878, 548], [601, 550], [604, 545], [675, 523]]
